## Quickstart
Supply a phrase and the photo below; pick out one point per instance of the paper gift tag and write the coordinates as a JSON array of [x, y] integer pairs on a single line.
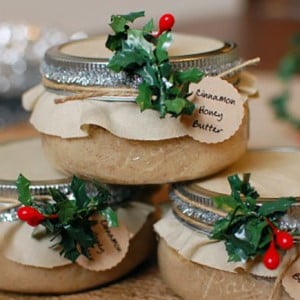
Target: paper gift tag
[[219, 111], [112, 248], [291, 280]]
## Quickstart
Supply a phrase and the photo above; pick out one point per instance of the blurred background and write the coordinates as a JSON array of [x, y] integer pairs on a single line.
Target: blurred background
[[27, 28]]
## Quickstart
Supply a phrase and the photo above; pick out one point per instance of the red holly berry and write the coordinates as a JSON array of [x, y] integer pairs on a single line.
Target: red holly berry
[[30, 215], [166, 22], [284, 239], [271, 258]]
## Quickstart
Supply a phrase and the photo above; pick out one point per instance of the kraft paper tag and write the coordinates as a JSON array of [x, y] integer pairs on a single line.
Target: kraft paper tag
[[291, 280], [111, 249], [219, 111]]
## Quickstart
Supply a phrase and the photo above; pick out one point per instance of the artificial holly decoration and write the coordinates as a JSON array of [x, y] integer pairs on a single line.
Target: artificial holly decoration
[[144, 54], [289, 68], [69, 217], [250, 229]]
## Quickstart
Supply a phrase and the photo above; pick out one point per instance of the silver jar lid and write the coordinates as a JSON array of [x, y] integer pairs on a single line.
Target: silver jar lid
[[9, 204], [26, 157], [39, 189], [192, 202], [85, 69]]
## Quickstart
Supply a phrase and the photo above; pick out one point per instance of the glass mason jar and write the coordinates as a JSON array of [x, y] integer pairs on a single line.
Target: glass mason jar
[[103, 134], [186, 251], [30, 259]]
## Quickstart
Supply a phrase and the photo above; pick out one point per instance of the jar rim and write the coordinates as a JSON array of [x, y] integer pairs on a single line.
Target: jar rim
[[64, 68]]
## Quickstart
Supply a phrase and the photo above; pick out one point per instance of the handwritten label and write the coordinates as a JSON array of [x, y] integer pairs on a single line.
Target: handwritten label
[[111, 249], [219, 111], [296, 277], [291, 280]]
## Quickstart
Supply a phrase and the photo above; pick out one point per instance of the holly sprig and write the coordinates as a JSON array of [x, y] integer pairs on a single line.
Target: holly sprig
[[289, 67], [145, 53], [251, 229], [69, 217]]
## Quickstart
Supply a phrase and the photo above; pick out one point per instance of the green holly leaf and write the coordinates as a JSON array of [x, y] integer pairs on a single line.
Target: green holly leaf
[[246, 188], [188, 108], [144, 97], [279, 206], [241, 187], [295, 40], [110, 216], [66, 211], [79, 190], [192, 75], [220, 228], [114, 42], [250, 203], [128, 60], [175, 106], [226, 203], [69, 246], [165, 69], [254, 229], [23, 185], [149, 26], [57, 195], [136, 42], [131, 17], [101, 199], [149, 75], [279, 105], [238, 250], [163, 43], [119, 22], [134, 55], [288, 67]]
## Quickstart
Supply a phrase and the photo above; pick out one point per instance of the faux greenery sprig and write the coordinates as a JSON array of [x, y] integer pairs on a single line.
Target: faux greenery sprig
[[251, 229], [67, 218], [289, 67], [145, 53]]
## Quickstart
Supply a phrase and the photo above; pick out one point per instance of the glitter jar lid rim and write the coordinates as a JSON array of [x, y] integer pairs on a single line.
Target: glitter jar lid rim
[[55, 55], [191, 189], [193, 205], [67, 68]]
